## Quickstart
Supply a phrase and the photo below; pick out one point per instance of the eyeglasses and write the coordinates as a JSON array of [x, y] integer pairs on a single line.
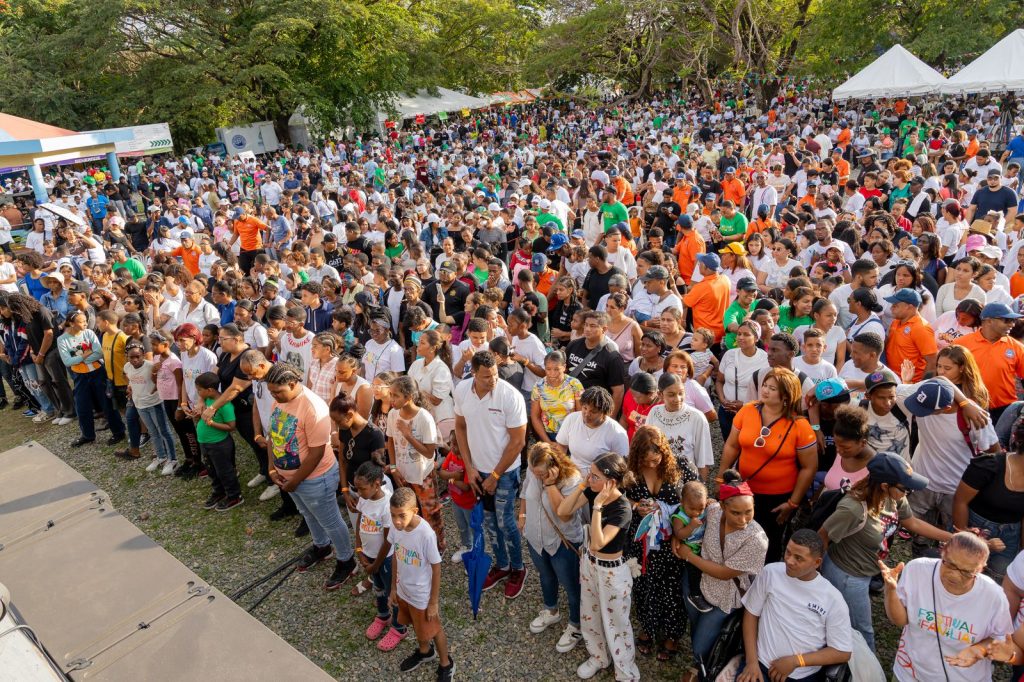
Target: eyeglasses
[[759, 442], [965, 574]]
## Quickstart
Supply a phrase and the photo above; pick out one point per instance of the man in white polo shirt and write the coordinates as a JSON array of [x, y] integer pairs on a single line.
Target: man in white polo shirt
[[490, 424]]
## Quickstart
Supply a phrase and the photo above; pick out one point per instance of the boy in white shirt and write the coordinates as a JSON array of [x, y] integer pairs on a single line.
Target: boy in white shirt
[[809, 361], [416, 584]]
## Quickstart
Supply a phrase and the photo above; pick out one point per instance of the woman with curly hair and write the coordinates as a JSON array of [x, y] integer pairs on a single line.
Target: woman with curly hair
[[657, 592]]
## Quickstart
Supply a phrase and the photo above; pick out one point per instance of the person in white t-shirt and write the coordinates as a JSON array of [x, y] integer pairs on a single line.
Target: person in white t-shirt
[[591, 432], [417, 581], [796, 622], [383, 354], [950, 614], [809, 361]]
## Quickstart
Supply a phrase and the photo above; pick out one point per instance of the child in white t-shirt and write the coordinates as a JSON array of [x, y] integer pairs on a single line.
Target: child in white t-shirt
[[373, 551], [416, 584], [809, 361]]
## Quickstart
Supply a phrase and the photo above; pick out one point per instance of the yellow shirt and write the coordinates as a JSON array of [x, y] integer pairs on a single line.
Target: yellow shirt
[[114, 357]]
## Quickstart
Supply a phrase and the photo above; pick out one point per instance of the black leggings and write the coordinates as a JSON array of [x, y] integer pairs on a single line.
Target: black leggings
[[763, 506], [186, 430]]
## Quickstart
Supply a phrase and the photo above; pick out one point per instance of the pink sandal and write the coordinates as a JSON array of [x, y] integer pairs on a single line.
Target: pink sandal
[[377, 627], [391, 640]]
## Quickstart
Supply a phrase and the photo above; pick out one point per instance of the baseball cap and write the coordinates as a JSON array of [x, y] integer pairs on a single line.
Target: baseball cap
[[578, 234], [890, 468], [994, 172], [558, 240], [990, 251], [905, 296], [832, 389], [735, 248], [684, 221], [917, 180], [998, 311], [710, 260], [154, 209], [730, 169], [79, 288], [538, 262], [57, 276], [972, 131], [447, 266], [974, 243], [186, 234], [882, 377], [746, 284], [433, 218], [655, 272], [931, 397], [365, 299]]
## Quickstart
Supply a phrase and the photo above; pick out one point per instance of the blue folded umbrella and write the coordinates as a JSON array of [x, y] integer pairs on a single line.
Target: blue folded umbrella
[[476, 560]]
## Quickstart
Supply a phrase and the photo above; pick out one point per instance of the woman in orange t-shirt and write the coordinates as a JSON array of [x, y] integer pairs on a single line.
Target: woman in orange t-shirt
[[777, 453]]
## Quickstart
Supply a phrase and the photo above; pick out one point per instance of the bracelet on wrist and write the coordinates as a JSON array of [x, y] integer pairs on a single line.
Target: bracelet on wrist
[[344, 490], [963, 403], [598, 507], [792, 505], [800, 660], [495, 475]]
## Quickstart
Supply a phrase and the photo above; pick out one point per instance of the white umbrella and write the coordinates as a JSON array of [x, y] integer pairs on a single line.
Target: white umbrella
[[64, 213]]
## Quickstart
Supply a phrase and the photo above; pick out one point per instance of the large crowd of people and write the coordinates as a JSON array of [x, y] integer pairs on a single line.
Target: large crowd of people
[[550, 314]]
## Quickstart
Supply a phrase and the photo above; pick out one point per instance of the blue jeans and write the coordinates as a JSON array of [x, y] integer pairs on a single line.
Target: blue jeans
[[1004, 426], [563, 568], [500, 521], [855, 590], [133, 421], [704, 627], [462, 521], [32, 375], [382, 591], [1009, 533], [155, 419], [316, 499], [91, 390]]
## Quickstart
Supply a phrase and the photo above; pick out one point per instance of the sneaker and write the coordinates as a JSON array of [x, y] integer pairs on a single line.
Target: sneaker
[[282, 513], [571, 636], [256, 480], [229, 503], [446, 673], [391, 640], [302, 530], [271, 492], [514, 585], [145, 438], [312, 557], [31, 413], [203, 473], [82, 440], [114, 440], [495, 576], [342, 571], [589, 668], [212, 501], [545, 618], [698, 602], [186, 470], [416, 659], [62, 421], [169, 468], [155, 464], [43, 417], [102, 425], [457, 556], [377, 628]]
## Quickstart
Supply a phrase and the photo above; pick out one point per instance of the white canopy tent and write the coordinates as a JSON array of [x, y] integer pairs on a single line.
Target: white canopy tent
[[897, 73], [1000, 69], [422, 102]]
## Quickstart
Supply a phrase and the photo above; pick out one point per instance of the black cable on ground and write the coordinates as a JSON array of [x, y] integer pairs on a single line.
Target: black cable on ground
[[281, 568]]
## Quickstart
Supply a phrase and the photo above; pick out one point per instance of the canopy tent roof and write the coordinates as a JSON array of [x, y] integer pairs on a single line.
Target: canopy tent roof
[[1000, 69], [897, 73], [515, 96], [422, 102], [14, 128]]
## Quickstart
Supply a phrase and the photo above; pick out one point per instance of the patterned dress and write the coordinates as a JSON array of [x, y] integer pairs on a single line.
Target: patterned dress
[[657, 593]]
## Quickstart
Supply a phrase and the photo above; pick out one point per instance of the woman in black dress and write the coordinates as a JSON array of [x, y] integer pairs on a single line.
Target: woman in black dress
[[657, 592]]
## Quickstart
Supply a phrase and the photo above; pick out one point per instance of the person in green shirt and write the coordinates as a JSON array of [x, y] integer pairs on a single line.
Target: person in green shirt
[[544, 216], [217, 446], [733, 225], [798, 312], [121, 261], [738, 310], [613, 211]]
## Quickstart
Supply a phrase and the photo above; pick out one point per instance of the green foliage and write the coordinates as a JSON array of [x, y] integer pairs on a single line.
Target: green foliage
[[200, 65]]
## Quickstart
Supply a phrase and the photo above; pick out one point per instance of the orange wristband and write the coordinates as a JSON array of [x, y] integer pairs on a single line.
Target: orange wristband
[[800, 660]]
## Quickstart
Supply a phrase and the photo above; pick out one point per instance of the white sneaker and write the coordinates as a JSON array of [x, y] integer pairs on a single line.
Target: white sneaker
[[569, 639], [42, 417], [271, 492], [545, 618], [589, 668], [256, 480], [457, 556], [62, 421], [169, 468], [155, 464]]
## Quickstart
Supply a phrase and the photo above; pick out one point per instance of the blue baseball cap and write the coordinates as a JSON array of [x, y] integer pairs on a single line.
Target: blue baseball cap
[[832, 389], [710, 260], [558, 240], [684, 221], [905, 296], [932, 396], [890, 468], [999, 311], [539, 262]]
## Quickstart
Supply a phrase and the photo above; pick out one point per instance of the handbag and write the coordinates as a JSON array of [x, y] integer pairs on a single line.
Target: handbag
[[578, 551]]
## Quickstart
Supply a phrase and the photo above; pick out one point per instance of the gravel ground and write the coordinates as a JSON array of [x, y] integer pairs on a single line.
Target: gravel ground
[[230, 549]]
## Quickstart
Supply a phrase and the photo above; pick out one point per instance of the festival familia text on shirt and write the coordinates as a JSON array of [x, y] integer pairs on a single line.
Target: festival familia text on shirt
[[949, 627]]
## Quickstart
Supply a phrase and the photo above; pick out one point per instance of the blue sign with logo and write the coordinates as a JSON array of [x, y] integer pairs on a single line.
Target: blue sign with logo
[[238, 141]]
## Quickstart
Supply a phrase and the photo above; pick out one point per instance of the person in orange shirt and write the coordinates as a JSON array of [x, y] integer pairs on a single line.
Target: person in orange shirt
[[910, 337], [999, 356], [845, 136], [682, 192], [249, 229], [842, 165], [189, 252], [624, 190], [1017, 279], [973, 145], [808, 199], [762, 222], [732, 189], [708, 298], [689, 245]]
